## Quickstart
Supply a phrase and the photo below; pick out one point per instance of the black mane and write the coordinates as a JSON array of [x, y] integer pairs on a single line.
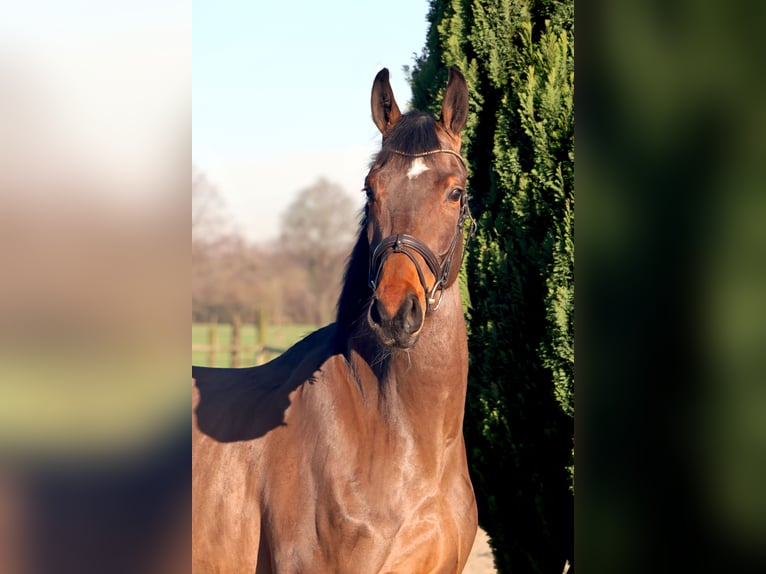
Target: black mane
[[356, 291]]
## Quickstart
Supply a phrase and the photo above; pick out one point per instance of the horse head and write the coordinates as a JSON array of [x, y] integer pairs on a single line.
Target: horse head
[[416, 210]]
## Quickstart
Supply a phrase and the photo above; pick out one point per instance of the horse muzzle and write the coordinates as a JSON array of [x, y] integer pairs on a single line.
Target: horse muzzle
[[401, 328]]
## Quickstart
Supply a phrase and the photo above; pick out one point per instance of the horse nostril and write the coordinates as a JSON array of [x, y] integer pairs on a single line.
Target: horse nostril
[[375, 315], [412, 313]]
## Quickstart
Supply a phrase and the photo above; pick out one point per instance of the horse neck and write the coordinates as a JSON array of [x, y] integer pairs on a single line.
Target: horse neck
[[422, 388]]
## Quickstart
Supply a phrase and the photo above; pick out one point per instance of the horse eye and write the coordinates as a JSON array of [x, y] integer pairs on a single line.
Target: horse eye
[[455, 195], [370, 194]]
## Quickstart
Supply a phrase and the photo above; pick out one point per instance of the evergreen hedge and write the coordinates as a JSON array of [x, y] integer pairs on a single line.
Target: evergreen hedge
[[518, 59]]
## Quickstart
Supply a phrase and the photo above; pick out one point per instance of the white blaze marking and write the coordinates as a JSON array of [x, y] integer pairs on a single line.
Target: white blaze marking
[[418, 166]]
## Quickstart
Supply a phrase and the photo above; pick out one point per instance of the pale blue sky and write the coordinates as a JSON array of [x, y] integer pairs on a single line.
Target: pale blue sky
[[281, 95]]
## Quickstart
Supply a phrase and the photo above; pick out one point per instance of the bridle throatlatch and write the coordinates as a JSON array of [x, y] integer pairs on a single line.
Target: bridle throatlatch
[[407, 245]]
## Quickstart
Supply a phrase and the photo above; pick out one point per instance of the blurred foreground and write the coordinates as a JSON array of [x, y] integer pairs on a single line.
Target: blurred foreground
[[94, 283]]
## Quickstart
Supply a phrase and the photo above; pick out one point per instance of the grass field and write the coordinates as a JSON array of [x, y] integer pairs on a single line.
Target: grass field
[[278, 337]]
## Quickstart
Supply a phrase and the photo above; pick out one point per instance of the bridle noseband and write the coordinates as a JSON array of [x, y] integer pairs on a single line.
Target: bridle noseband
[[407, 244]]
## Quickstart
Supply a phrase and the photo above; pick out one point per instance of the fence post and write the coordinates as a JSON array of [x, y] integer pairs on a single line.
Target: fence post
[[212, 340], [261, 341], [235, 333]]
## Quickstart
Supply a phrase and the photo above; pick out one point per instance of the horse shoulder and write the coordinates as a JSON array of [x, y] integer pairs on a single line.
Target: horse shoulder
[[238, 417]]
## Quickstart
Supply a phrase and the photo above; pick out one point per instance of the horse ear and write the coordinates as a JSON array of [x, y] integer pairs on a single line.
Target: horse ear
[[455, 103], [385, 112]]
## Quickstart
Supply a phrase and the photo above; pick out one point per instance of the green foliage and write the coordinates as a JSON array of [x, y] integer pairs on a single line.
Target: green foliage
[[518, 57], [429, 76]]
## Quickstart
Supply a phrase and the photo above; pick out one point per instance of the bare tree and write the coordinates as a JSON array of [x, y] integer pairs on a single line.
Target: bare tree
[[296, 279], [318, 229], [220, 264], [208, 219]]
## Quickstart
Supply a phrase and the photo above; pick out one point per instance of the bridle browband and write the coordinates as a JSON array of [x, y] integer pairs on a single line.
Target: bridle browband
[[406, 244], [432, 152]]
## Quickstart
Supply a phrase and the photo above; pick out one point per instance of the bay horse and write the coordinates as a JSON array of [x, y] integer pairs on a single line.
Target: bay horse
[[345, 454]]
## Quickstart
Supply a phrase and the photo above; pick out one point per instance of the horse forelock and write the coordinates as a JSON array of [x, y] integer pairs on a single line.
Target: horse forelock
[[414, 133]]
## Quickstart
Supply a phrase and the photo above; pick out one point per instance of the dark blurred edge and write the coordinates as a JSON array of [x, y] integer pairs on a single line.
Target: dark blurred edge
[[130, 515], [671, 287]]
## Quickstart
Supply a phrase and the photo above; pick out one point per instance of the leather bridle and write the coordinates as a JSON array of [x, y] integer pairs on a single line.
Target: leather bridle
[[407, 245]]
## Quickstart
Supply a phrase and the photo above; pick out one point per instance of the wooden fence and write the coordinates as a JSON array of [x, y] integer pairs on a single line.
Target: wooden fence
[[237, 350]]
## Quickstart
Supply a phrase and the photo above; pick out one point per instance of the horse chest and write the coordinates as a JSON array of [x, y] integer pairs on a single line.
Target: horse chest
[[427, 542], [347, 527], [362, 498]]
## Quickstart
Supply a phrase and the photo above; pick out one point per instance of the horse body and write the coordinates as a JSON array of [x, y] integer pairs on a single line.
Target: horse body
[[345, 454]]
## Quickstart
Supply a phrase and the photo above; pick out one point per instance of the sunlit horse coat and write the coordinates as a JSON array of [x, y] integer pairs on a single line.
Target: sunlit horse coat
[[346, 453]]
